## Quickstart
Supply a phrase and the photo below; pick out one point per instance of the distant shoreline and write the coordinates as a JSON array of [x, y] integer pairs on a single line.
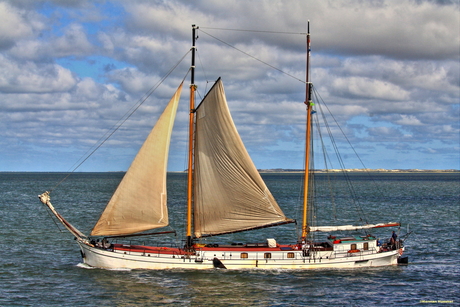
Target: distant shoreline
[[293, 171], [357, 170]]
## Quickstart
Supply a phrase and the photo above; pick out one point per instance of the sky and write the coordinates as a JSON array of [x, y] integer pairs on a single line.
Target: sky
[[389, 71]]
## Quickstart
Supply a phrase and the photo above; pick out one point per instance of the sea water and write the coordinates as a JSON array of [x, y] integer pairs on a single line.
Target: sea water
[[40, 263]]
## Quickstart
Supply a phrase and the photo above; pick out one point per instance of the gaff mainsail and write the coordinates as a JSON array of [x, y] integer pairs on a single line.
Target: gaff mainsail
[[230, 194]]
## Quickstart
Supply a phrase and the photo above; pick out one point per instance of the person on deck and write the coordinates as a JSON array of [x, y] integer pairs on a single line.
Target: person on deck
[[393, 240]]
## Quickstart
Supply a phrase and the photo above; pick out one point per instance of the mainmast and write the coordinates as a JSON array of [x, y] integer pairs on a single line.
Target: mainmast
[[190, 142], [309, 103]]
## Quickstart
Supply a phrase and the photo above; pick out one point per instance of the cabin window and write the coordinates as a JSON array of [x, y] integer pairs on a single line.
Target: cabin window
[[267, 255], [366, 246], [244, 255], [290, 255], [353, 246]]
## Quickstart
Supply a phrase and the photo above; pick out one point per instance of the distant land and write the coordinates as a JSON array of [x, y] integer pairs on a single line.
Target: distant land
[[380, 170], [288, 170]]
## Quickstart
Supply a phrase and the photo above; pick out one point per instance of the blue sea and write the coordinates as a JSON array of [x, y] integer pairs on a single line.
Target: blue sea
[[40, 263]]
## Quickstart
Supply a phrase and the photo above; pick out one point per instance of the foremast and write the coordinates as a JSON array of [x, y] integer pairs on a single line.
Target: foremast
[[190, 142], [309, 103]]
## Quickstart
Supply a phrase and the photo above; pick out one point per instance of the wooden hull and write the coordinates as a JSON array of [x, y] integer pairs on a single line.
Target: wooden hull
[[159, 258]]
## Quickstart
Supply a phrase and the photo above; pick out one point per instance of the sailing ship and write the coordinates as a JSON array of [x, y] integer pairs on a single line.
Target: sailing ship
[[225, 194]]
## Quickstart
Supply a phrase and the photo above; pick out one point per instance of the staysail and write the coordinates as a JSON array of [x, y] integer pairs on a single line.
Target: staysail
[[139, 203], [230, 194]]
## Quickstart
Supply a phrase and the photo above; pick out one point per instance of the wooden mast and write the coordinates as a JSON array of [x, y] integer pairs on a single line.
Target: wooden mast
[[190, 142], [309, 104]]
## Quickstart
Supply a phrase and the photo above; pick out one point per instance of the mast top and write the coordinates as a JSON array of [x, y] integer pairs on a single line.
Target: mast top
[[192, 66]]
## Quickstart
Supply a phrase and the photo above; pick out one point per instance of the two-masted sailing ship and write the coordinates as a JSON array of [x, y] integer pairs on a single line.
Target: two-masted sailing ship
[[225, 194]]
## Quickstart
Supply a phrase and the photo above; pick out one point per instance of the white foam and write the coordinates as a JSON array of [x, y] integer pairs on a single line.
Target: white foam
[[88, 267], [85, 266]]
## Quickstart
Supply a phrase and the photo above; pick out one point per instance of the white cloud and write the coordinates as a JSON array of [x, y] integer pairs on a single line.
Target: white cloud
[[368, 88], [408, 120], [133, 80], [29, 77], [74, 42], [16, 24]]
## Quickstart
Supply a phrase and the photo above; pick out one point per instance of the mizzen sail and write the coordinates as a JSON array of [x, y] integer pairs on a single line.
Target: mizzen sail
[[139, 203], [230, 194]]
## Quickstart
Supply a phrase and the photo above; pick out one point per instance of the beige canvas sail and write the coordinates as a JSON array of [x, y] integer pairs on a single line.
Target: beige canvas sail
[[229, 193], [139, 203]]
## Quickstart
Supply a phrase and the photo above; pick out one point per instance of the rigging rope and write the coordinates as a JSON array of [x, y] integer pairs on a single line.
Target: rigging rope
[[120, 123], [326, 159], [256, 31], [337, 152], [204, 73], [253, 57], [329, 130]]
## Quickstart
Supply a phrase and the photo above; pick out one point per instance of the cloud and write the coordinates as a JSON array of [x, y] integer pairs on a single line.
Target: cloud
[[17, 24], [74, 42], [367, 88], [408, 120], [388, 70], [30, 77], [397, 29]]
